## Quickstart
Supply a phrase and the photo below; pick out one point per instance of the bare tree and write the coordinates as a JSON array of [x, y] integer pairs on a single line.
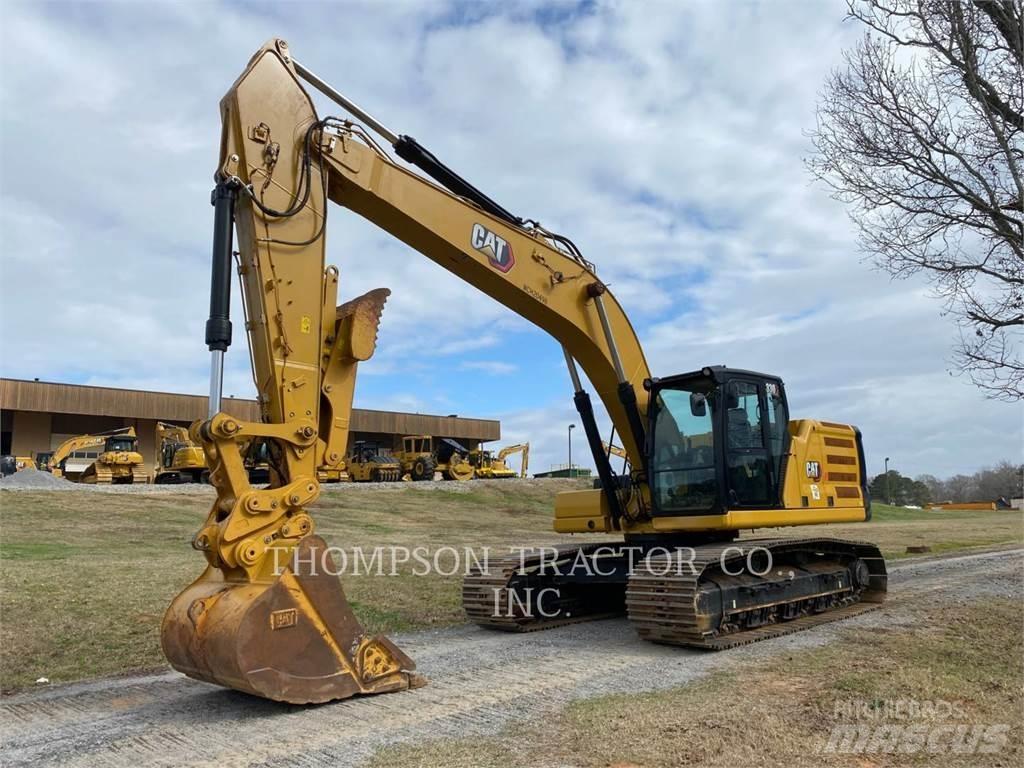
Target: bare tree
[[922, 134], [960, 488]]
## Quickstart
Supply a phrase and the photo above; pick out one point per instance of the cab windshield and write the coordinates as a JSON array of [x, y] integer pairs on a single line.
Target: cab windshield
[[120, 444], [683, 460]]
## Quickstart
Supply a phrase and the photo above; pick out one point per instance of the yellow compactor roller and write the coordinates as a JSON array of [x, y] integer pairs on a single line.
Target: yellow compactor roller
[[367, 464], [711, 451]]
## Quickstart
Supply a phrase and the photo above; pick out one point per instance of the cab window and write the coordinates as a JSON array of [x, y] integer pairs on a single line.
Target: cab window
[[778, 427], [683, 455], [746, 458], [756, 423], [120, 444]]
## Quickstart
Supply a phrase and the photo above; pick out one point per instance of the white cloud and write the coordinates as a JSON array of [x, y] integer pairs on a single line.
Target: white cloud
[[491, 367], [665, 138]]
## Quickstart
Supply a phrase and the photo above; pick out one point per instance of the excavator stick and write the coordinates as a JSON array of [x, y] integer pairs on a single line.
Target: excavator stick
[[292, 638]]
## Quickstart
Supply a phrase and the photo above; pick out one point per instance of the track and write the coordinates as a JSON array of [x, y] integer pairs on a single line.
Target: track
[[480, 682]]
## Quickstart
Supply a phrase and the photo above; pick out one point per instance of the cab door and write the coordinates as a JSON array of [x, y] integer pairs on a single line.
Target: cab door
[[755, 427]]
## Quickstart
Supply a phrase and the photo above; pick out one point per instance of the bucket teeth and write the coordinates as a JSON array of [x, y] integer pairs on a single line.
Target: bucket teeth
[[292, 638]]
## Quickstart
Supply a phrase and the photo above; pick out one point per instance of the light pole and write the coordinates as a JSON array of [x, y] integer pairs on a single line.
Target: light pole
[[571, 428], [888, 492]]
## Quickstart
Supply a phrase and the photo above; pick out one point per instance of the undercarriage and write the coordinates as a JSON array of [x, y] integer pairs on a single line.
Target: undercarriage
[[709, 595]]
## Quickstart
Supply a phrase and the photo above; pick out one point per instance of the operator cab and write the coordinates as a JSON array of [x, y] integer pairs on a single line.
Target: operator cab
[[366, 451], [718, 439], [120, 443]]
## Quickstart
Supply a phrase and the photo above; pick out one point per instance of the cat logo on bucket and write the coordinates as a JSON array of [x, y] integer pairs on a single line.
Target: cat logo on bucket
[[495, 247], [288, 617]]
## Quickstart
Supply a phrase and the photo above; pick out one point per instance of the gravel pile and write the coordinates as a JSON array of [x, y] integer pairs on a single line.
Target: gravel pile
[[33, 479]]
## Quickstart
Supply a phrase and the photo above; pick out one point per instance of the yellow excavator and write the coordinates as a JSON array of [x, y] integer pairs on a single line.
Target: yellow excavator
[[711, 451], [615, 450], [488, 465], [118, 462], [178, 458]]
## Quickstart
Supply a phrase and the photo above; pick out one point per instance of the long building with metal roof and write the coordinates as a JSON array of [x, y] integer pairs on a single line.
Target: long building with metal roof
[[37, 416]]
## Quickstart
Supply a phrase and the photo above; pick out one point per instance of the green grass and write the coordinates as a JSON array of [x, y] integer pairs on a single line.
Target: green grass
[[884, 513], [85, 577], [35, 550]]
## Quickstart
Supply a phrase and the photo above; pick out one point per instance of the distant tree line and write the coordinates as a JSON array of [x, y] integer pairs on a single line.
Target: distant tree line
[[1001, 481]]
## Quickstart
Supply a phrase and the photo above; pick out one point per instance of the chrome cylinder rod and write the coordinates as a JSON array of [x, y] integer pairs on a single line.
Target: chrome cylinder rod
[[354, 109], [613, 349], [573, 373], [216, 381]]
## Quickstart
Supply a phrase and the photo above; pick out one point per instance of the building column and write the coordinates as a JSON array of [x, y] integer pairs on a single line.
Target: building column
[[30, 433]]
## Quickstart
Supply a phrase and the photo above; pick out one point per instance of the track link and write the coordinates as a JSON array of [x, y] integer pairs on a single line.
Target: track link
[[492, 596], [668, 601]]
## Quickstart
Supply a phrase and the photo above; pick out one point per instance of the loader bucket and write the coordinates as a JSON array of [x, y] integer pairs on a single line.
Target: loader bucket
[[293, 638]]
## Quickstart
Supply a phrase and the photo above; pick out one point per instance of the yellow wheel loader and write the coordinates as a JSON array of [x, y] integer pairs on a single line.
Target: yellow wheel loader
[[178, 458], [367, 464], [712, 451], [488, 465], [119, 461], [422, 455]]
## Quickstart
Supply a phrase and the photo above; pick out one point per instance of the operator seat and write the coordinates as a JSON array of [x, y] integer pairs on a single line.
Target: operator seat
[[739, 429]]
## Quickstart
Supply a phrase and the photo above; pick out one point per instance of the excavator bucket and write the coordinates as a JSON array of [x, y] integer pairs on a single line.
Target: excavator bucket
[[293, 638]]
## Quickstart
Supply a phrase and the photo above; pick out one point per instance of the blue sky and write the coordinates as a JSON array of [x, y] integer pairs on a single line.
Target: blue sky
[[665, 138]]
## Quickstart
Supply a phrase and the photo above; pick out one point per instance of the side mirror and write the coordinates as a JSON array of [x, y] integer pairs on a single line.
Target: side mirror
[[698, 404]]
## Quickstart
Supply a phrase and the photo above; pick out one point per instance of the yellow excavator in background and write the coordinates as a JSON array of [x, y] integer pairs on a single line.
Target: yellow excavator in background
[[711, 451], [178, 458], [488, 465], [118, 462], [615, 450]]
